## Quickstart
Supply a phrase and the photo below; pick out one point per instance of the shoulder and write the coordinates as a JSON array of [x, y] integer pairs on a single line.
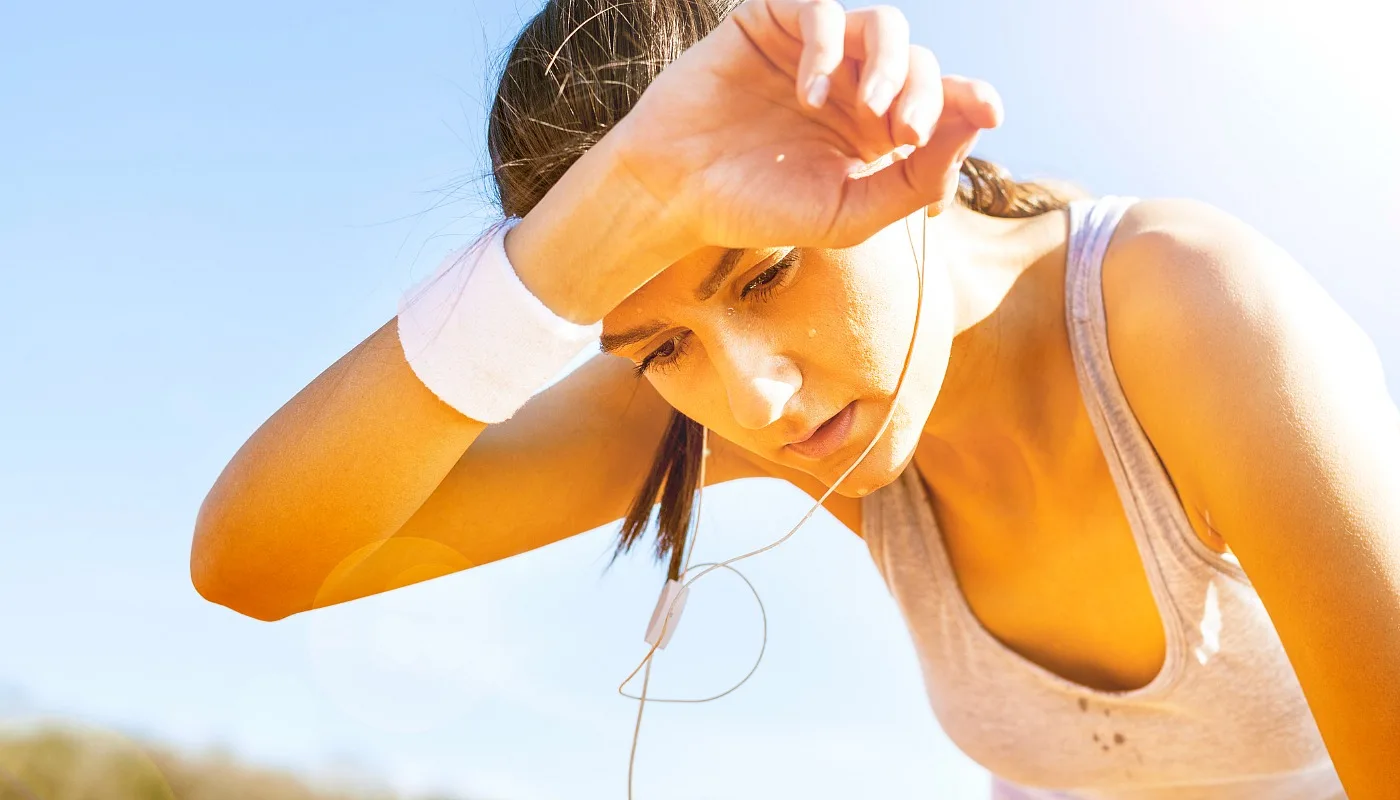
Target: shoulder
[[1186, 262], [1269, 407], [1218, 336], [1185, 282]]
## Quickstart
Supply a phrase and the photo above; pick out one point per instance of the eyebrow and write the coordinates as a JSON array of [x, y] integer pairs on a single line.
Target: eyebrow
[[611, 343], [726, 265]]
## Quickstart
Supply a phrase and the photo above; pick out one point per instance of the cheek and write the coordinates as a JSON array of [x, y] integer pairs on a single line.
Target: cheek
[[865, 322], [706, 402], [692, 394]]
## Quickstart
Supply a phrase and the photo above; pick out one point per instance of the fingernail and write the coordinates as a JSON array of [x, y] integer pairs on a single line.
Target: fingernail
[[879, 94], [817, 90]]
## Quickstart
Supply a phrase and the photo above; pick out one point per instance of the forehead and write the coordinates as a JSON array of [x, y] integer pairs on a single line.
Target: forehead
[[674, 286]]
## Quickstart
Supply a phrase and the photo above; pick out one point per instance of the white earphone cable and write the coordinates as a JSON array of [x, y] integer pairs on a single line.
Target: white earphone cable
[[710, 567]]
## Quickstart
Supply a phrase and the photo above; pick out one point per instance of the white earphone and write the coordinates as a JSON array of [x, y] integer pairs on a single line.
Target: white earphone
[[666, 616]]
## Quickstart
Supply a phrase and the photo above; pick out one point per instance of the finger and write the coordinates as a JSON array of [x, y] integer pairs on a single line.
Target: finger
[[920, 103], [926, 177], [978, 100], [879, 37], [823, 31]]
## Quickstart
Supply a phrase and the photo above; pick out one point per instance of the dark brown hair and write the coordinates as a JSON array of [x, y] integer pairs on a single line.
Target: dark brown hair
[[571, 74]]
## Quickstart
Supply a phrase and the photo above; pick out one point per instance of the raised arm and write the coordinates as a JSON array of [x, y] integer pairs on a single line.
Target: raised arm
[[303, 514], [761, 134]]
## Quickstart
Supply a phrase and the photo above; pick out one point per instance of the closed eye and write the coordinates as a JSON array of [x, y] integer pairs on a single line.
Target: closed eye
[[669, 353], [763, 284], [664, 356]]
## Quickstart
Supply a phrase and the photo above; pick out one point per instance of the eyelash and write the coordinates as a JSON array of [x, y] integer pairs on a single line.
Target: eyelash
[[657, 364]]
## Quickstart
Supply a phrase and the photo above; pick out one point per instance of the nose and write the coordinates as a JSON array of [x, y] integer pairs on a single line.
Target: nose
[[759, 382]]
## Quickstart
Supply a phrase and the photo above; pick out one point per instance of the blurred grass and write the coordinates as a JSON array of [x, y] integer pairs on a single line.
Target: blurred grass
[[56, 762]]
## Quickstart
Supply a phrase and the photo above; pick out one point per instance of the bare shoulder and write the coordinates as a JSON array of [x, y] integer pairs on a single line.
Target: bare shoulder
[[1269, 406], [1184, 272], [1180, 260], [1204, 314], [1181, 241]]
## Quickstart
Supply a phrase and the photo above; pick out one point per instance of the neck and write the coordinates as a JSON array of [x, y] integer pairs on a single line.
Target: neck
[[1001, 412]]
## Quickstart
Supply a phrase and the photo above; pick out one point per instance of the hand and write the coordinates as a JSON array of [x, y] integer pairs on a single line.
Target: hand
[[756, 136]]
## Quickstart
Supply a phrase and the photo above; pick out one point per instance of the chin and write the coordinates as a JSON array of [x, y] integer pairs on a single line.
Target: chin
[[913, 403], [886, 460]]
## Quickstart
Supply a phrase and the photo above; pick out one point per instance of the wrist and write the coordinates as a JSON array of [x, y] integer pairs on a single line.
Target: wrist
[[450, 326], [595, 237]]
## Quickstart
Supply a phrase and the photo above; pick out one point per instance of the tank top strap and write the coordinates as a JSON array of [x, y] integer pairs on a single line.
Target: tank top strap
[[1172, 554]]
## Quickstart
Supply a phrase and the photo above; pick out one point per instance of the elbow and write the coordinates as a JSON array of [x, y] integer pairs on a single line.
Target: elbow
[[246, 603], [239, 590]]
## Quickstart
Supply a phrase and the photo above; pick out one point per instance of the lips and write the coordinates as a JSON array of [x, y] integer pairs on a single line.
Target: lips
[[828, 437]]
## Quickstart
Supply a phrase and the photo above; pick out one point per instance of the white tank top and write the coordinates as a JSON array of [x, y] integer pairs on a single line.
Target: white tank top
[[1225, 717]]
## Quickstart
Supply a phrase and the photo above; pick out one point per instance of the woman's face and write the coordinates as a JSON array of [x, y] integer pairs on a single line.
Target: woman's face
[[789, 338]]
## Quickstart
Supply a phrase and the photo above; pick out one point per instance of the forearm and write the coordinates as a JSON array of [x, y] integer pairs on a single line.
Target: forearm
[[343, 464], [338, 468], [595, 237]]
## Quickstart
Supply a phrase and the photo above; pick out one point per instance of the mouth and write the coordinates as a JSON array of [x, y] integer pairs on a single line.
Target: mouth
[[828, 437]]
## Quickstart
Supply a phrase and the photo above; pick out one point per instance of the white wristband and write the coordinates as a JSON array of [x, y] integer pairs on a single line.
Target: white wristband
[[478, 338]]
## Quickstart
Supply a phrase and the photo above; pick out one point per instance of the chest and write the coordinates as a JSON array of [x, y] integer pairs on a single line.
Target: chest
[[1044, 557], [1082, 609], [1065, 588], [1054, 571]]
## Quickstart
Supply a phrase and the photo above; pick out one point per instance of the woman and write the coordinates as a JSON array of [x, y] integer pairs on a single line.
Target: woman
[[1174, 572]]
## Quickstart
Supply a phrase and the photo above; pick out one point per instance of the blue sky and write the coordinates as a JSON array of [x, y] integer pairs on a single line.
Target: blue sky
[[204, 206]]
